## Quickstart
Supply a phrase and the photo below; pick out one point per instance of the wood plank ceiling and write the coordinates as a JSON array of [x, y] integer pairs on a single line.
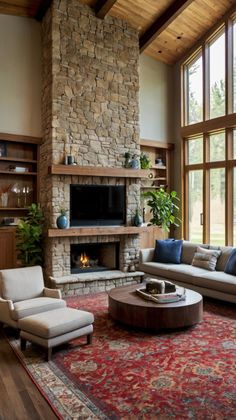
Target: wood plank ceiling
[[167, 28]]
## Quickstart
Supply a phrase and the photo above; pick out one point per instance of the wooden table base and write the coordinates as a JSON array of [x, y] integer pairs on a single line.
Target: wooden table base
[[126, 306]]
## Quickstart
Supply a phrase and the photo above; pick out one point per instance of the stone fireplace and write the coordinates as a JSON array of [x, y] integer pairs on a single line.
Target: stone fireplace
[[89, 111]]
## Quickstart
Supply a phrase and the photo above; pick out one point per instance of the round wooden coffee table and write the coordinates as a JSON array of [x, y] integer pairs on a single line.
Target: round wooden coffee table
[[126, 306]]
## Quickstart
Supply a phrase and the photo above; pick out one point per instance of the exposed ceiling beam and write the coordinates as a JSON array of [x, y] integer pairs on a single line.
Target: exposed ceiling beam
[[162, 22], [13, 9], [102, 7], [43, 7]]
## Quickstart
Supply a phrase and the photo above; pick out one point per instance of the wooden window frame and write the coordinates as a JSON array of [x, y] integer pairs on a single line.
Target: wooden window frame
[[226, 123]]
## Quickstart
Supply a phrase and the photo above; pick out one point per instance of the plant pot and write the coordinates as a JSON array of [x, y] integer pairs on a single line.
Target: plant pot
[[62, 222]]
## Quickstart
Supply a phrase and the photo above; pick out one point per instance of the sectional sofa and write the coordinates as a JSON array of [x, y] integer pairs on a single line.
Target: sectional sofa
[[216, 284]]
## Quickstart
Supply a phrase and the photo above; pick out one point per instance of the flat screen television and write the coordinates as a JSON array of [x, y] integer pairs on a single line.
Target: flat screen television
[[97, 205]]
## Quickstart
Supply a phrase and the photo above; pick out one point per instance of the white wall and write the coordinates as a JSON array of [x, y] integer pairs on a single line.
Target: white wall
[[156, 100], [20, 76]]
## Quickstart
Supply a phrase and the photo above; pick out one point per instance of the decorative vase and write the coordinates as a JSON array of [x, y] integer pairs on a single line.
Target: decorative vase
[[62, 222], [134, 163], [137, 220], [4, 199]]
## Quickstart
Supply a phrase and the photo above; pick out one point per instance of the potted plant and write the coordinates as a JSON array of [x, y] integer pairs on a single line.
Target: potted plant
[[163, 208], [127, 157], [29, 233], [145, 161]]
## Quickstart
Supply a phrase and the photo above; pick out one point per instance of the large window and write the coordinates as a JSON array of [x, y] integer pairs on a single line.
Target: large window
[[217, 76], [194, 90], [209, 139]]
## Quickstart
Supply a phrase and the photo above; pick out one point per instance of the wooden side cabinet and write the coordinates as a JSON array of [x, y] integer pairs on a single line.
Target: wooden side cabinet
[[7, 247]]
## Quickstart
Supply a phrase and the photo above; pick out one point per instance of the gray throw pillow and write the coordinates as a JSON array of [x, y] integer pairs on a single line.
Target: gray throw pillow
[[206, 258]]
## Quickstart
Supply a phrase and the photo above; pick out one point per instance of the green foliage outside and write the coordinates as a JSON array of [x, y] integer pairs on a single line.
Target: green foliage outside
[[163, 208], [29, 237]]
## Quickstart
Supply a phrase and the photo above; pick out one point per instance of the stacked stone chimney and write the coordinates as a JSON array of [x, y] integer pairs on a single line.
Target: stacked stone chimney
[[90, 110]]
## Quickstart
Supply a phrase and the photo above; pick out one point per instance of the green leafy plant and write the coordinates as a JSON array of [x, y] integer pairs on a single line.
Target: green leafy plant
[[29, 236], [145, 162], [163, 208]]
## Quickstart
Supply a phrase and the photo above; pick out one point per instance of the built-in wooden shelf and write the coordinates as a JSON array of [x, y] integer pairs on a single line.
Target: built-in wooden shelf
[[94, 231], [18, 173], [97, 171], [13, 208]]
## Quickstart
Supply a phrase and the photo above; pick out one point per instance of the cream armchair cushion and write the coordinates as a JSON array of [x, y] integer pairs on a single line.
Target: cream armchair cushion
[[22, 293]]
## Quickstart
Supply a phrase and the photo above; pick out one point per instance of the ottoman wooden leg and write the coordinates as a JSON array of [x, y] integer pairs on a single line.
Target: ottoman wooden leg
[[89, 338], [49, 354], [22, 344]]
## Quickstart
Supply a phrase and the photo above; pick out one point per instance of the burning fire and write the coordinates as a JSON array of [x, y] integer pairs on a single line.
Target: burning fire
[[84, 260]]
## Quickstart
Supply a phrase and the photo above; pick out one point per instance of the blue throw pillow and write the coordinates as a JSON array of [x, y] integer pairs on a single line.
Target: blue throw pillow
[[230, 267], [168, 251]]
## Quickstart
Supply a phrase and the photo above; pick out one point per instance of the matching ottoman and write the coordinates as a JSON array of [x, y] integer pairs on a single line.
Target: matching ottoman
[[55, 327]]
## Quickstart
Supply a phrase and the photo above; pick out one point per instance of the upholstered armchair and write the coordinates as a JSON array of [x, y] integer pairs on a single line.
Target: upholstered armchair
[[22, 293]]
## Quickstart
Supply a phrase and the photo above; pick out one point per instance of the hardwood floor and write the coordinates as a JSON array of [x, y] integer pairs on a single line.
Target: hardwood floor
[[19, 397]]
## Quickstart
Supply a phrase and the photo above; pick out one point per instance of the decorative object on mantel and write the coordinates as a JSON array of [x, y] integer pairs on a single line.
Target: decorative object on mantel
[[145, 162], [62, 220], [138, 220], [127, 156], [134, 163]]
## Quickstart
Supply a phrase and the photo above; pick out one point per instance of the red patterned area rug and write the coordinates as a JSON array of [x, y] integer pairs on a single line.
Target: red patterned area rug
[[130, 374]]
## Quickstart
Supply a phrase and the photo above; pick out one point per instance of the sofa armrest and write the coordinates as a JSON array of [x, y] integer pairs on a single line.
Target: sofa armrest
[[146, 255], [6, 306], [52, 293]]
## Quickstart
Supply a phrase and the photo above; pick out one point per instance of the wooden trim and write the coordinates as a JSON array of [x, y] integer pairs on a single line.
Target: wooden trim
[[206, 82], [208, 34], [20, 138], [161, 23], [95, 231], [97, 171], [219, 123], [229, 67], [156, 143], [102, 7], [14, 9]]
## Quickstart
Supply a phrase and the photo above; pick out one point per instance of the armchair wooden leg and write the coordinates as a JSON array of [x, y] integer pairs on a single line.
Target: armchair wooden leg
[[22, 344], [89, 338]]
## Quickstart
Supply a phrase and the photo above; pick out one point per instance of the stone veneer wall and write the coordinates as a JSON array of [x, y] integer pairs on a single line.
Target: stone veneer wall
[[89, 110]]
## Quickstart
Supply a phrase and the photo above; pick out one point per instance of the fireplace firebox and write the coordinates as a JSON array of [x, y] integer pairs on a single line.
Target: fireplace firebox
[[94, 257]]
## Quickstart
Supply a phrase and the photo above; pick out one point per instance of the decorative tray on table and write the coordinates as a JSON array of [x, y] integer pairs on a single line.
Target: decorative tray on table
[[176, 296]]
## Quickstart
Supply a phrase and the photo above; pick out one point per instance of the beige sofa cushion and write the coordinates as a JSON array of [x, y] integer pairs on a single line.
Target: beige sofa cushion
[[34, 306], [21, 283]]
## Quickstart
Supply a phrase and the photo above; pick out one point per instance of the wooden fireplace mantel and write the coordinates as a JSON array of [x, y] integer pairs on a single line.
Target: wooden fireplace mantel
[[97, 171], [95, 231]]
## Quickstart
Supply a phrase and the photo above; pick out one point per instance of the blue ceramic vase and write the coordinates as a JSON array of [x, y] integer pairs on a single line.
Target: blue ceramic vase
[[137, 220], [62, 222]]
